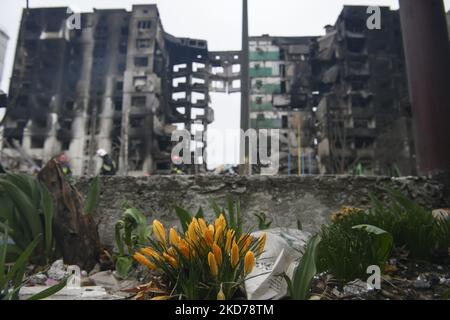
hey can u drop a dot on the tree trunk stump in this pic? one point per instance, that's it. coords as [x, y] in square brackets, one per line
[76, 234]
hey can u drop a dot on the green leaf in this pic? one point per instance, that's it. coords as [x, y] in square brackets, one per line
[93, 196]
[22, 261]
[123, 266]
[216, 209]
[3, 249]
[230, 204]
[446, 295]
[384, 241]
[263, 223]
[24, 206]
[184, 216]
[238, 217]
[49, 291]
[289, 284]
[200, 214]
[306, 270]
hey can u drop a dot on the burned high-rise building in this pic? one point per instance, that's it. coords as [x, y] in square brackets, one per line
[3, 43]
[364, 114]
[121, 83]
[107, 83]
[281, 97]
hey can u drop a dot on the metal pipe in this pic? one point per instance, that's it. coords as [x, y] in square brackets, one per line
[427, 53]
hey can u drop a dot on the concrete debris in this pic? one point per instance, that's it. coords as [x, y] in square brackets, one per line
[57, 271]
[356, 287]
[38, 279]
[108, 280]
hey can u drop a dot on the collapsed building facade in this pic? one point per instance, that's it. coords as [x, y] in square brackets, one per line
[108, 84]
[281, 98]
[123, 84]
[364, 115]
[3, 43]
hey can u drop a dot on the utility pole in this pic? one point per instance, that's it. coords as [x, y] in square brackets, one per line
[427, 52]
[245, 87]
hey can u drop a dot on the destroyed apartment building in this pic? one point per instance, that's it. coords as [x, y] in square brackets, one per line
[120, 83]
[364, 115]
[281, 98]
[123, 84]
[3, 44]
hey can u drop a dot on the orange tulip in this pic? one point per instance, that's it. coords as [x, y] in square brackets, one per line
[171, 260]
[246, 243]
[213, 264]
[159, 231]
[228, 243]
[184, 248]
[219, 234]
[174, 238]
[261, 244]
[220, 294]
[249, 262]
[209, 237]
[217, 254]
[202, 224]
[150, 252]
[220, 221]
[234, 255]
[144, 261]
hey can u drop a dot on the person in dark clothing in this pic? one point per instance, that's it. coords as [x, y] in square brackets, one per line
[109, 167]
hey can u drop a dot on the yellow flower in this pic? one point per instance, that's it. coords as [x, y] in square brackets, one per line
[174, 238]
[220, 221]
[144, 261]
[159, 231]
[171, 260]
[150, 252]
[171, 251]
[195, 224]
[230, 236]
[220, 294]
[184, 248]
[219, 234]
[213, 264]
[209, 237]
[217, 254]
[211, 227]
[249, 262]
[245, 241]
[261, 244]
[202, 224]
[234, 255]
[192, 233]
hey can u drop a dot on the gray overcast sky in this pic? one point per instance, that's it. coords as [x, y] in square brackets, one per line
[217, 21]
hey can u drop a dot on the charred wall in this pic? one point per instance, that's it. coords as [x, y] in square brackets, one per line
[364, 115]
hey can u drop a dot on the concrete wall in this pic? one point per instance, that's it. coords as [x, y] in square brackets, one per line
[284, 199]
